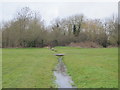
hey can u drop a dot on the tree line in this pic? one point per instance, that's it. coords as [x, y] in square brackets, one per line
[27, 29]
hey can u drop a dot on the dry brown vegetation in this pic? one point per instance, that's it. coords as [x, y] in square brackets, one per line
[86, 44]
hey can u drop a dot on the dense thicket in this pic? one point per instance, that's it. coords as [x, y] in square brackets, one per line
[28, 30]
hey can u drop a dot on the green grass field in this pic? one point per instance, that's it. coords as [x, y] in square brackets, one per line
[32, 67]
[0, 68]
[28, 68]
[92, 68]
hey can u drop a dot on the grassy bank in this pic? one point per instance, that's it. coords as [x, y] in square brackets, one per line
[92, 68]
[28, 68]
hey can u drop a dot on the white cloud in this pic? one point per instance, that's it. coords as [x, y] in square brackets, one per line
[50, 13]
[51, 10]
[59, 0]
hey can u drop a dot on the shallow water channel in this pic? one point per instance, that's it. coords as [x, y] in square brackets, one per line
[62, 78]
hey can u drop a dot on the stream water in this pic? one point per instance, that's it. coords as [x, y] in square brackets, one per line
[62, 78]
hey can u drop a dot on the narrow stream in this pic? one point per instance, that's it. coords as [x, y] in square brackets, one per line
[62, 78]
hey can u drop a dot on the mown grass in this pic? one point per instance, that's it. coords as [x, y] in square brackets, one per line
[28, 68]
[32, 67]
[0, 68]
[92, 68]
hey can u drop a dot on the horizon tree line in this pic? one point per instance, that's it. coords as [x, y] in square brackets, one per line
[27, 29]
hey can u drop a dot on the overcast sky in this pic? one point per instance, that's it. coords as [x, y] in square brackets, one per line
[52, 10]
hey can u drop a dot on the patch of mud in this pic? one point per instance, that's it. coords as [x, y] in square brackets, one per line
[62, 79]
